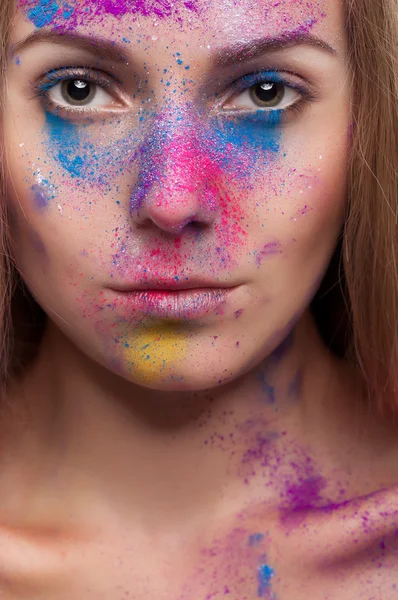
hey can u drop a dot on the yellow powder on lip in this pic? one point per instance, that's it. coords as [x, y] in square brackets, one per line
[157, 351]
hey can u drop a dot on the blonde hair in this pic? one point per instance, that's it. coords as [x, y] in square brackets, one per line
[368, 253]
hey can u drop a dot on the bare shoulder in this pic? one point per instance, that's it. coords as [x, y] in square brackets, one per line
[35, 562]
[341, 551]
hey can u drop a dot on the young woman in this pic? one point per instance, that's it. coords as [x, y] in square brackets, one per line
[199, 300]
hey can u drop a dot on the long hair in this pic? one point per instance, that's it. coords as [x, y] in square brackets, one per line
[367, 256]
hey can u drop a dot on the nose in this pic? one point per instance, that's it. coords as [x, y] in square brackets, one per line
[176, 187]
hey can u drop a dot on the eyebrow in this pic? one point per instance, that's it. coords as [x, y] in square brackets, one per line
[238, 53]
[247, 51]
[95, 45]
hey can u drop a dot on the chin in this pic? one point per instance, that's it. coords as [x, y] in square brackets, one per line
[179, 381]
[189, 376]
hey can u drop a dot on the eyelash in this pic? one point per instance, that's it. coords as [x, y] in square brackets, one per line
[97, 77]
[52, 78]
[307, 94]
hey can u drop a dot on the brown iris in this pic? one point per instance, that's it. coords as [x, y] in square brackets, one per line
[78, 91]
[267, 93]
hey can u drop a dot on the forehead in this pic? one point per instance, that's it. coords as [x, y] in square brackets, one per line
[218, 20]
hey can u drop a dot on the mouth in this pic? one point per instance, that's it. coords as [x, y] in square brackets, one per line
[175, 301]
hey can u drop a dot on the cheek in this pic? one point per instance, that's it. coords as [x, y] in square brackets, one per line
[91, 158]
[301, 199]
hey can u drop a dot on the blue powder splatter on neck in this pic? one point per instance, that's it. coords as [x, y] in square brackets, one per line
[267, 389]
[265, 574]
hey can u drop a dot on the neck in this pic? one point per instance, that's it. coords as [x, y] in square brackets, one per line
[104, 442]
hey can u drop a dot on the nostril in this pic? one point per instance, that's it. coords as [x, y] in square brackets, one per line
[198, 226]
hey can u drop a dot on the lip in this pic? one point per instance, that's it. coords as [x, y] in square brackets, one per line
[171, 284]
[175, 302]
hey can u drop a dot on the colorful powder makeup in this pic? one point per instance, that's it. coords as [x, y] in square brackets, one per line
[41, 13]
[255, 539]
[68, 14]
[41, 195]
[85, 156]
[269, 249]
[155, 353]
[265, 574]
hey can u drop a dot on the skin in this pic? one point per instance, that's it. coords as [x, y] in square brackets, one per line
[227, 448]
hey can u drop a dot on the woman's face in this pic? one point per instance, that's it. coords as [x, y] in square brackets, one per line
[177, 175]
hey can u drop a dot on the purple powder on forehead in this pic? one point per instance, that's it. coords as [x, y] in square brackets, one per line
[160, 8]
[64, 14]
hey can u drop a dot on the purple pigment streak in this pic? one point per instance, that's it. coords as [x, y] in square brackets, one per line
[306, 494]
[271, 362]
[296, 385]
[270, 249]
[63, 14]
[255, 539]
[40, 198]
[37, 243]
[267, 389]
[258, 454]
[282, 350]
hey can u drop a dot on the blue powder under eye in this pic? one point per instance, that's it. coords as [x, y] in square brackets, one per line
[257, 130]
[65, 142]
[265, 574]
[70, 146]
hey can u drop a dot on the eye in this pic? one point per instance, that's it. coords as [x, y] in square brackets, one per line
[79, 93]
[269, 95]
